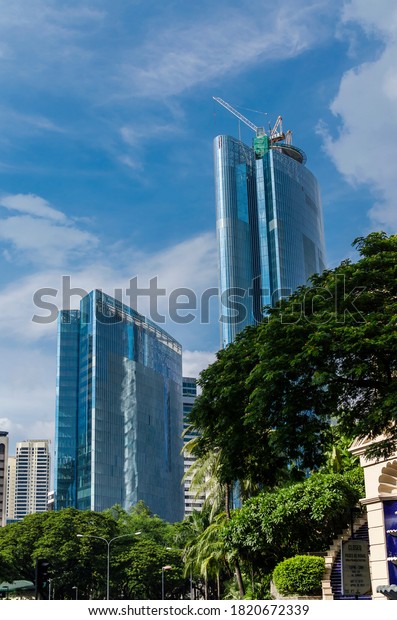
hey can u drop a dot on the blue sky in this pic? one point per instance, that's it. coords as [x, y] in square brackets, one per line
[106, 171]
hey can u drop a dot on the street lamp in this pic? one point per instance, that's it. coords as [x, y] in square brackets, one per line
[163, 569]
[77, 591]
[108, 542]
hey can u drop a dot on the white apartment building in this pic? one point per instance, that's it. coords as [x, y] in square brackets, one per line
[28, 478]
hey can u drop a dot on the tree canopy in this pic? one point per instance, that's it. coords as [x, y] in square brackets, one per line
[300, 518]
[136, 560]
[325, 355]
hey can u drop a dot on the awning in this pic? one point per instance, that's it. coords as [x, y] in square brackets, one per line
[16, 585]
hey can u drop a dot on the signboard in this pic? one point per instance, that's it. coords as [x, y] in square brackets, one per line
[356, 579]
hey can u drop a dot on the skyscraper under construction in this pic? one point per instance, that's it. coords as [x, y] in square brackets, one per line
[269, 223]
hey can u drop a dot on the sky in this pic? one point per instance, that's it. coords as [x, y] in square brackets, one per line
[107, 120]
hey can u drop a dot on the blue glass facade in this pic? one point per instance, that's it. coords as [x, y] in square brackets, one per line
[119, 411]
[269, 229]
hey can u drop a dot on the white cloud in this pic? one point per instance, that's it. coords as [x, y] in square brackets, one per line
[372, 16]
[33, 205]
[366, 106]
[95, 56]
[189, 52]
[41, 234]
[196, 361]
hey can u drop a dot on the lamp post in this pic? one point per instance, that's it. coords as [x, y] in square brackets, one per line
[108, 542]
[77, 591]
[163, 569]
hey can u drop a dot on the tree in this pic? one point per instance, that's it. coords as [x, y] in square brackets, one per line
[329, 352]
[292, 520]
[135, 561]
[139, 518]
[205, 555]
[138, 571]
[218, 417]
[325, 355]
[53, 535]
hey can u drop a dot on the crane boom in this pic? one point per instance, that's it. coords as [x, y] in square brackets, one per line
[240, 116]
[263, 140]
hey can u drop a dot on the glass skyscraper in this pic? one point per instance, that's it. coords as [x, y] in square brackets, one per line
[118, 411]
[269, 227]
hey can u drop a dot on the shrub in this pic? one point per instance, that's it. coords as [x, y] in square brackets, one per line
[299, 575]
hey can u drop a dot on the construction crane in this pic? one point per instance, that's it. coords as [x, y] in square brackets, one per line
[275, 135]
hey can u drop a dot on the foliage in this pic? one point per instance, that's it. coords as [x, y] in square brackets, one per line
[325, 355]
[138, 572]
[300, 518]
[301, 575]
[141, 519]
[338, 458]
[202, 475]
[135, 560]
[329, 351]
[218, 417]
[53, 536]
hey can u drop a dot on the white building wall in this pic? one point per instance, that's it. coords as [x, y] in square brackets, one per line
[32, 479]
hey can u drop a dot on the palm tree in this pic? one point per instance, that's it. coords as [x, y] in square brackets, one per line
[205, 479]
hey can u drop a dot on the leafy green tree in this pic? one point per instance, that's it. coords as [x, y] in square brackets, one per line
[303, 517]
[135, 561]
[53, 536]
[338, 458]
[329, 351]
[325, 355]
[138, 571]
[141, 519]
[219, 417]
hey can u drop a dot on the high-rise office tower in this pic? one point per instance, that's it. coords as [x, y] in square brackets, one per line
[28, 478]
[269, 223]
[118, 435]
[192, 500]
[3, 475]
